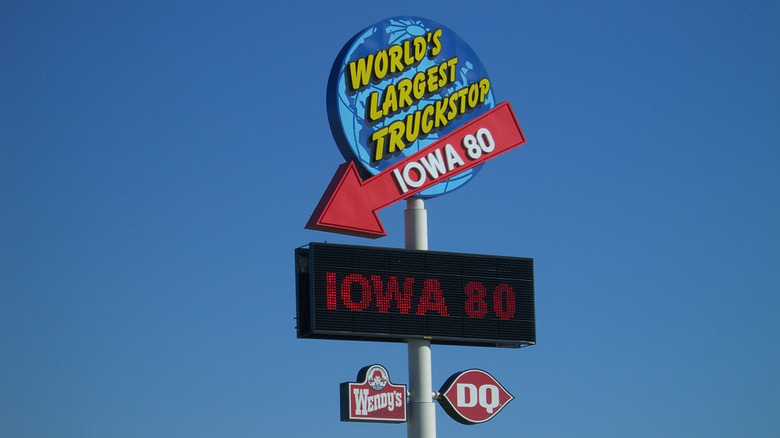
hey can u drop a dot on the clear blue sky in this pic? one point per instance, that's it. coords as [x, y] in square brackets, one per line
[159, 160]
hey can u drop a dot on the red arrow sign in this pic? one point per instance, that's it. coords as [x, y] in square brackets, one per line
[350, 205]
[473, 396]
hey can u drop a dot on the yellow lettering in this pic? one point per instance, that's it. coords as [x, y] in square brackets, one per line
[396, 132]
[408, 56]
[380, 64]
[426, 124]
[360, 72]
[389, 101]
[473, 95]
[417, 124]
[484, 87]
[440, 119]
[419, 48]
[433, 82]
[419, 85]
[378, 138]
[442, 75]
[462, 93]
[412, 126]
[404, 93]
[436, 40]
[453, 107]
[451, 64]
[371, 109]
[396, 53]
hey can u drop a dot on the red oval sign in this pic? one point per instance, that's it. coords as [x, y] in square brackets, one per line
[473, 396]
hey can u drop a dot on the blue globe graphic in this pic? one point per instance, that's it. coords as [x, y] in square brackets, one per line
[347, 111]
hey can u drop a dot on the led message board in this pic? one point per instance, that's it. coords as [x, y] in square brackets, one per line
[385, 294]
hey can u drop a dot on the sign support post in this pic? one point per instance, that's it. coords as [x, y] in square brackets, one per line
[422, 409]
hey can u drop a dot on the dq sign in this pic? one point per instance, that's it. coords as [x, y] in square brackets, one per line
[412, 111]
[473, 396]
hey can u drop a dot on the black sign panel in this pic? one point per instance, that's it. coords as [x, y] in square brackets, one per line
[383, 294]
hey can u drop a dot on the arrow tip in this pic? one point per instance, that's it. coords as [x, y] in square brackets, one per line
[344, 207]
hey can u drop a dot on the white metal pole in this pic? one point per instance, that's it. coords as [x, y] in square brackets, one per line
[422, 410]
[416, 224]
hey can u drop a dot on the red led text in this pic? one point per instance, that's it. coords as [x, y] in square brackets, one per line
[407, 296]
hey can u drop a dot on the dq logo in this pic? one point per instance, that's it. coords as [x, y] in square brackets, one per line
[473, 396]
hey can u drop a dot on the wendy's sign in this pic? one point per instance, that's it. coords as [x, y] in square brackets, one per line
[411, 109]
[373, 398]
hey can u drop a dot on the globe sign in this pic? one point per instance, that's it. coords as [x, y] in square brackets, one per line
[398, 86]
